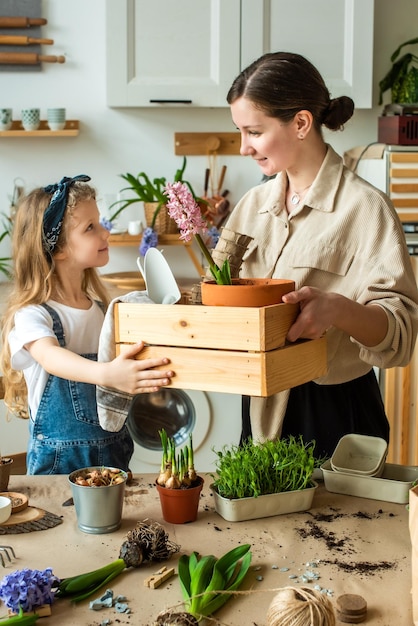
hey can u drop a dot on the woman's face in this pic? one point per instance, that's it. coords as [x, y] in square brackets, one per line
[269, 141]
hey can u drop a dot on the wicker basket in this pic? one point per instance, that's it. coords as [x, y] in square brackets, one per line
[164, 224]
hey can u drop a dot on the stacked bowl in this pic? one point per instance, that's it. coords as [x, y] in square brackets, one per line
[361, 455]
[358, 468]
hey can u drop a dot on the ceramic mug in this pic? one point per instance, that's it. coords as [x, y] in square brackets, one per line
[31, 118]
[56, 118]
[6, 116]
[135, 227]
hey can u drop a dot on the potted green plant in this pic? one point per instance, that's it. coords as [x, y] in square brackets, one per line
[264, 479]
[224, 290]
[402, 78]
[178, 485]
[151, 193]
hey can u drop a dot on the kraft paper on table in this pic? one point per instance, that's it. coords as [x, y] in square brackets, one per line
[413, 531]
[334, 539]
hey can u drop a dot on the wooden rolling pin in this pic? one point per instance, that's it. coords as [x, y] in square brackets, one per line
[21, 22]
[21, 40]
[28, 58]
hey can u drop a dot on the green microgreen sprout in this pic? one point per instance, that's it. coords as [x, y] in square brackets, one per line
[252, 470]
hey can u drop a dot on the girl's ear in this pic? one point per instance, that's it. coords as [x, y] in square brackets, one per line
[304, 122]
[61, 255]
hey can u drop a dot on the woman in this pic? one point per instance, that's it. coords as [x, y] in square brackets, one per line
[337, 237]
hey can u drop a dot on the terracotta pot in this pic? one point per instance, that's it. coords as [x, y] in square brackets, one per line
[180, 506]
[5, 467]
[246, 292]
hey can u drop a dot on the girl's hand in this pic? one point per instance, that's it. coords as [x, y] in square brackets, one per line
[137, 376]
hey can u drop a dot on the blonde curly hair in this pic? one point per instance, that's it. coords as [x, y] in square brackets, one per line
[34, 279]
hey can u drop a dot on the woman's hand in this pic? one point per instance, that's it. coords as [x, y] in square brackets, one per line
[315, 315]
[319, 310]
[137, 376]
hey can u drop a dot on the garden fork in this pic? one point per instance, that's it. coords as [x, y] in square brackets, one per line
[5, 550]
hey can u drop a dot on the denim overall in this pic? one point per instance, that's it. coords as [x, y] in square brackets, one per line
[66, 434]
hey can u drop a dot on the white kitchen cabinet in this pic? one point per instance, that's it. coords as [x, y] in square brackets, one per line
[171, 52]
[335, 35]
[187, 52]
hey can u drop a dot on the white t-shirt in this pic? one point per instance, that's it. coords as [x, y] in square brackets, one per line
[82, 331]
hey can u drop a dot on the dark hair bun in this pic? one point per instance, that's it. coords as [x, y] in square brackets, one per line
[339, 111]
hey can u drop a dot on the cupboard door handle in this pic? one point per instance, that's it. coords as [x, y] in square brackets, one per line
[171, 101]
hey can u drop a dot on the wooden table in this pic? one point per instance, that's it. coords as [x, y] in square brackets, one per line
[354, 545]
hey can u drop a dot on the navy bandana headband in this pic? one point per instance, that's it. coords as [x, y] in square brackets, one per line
[54, 214]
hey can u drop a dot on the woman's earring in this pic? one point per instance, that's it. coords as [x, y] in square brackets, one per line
[301, 137]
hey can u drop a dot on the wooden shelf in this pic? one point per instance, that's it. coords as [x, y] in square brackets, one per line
[71, 129]
[207, 143]
[125, 239]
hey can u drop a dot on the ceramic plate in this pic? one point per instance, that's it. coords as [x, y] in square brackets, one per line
[161, 285]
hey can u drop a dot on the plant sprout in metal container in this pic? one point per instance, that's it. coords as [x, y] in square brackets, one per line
[183, 208]
[257, 469]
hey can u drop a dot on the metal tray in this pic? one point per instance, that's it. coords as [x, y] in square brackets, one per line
[392, 486]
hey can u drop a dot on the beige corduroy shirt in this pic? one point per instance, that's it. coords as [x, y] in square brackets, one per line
[345, 238]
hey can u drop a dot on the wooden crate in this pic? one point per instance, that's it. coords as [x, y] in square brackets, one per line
[224, 349]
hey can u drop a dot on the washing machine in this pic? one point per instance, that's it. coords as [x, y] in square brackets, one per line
[214, 419]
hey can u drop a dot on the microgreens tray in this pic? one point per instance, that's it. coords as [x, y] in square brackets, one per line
[269, 505]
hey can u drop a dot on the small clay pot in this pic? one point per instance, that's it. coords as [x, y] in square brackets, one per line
[180, 506]
[246, 292]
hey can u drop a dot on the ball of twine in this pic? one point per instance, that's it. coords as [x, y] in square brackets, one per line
[301, 606]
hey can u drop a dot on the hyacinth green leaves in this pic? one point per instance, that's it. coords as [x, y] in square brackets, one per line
[207, 582]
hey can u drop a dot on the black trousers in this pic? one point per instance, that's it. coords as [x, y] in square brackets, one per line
[325, 413]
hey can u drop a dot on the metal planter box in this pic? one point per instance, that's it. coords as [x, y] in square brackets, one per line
[269, 505]
[392, 486]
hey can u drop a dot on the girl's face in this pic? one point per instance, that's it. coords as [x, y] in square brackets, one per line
[269, 141]
[86, 244]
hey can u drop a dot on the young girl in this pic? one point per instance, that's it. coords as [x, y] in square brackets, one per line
[51, 331]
